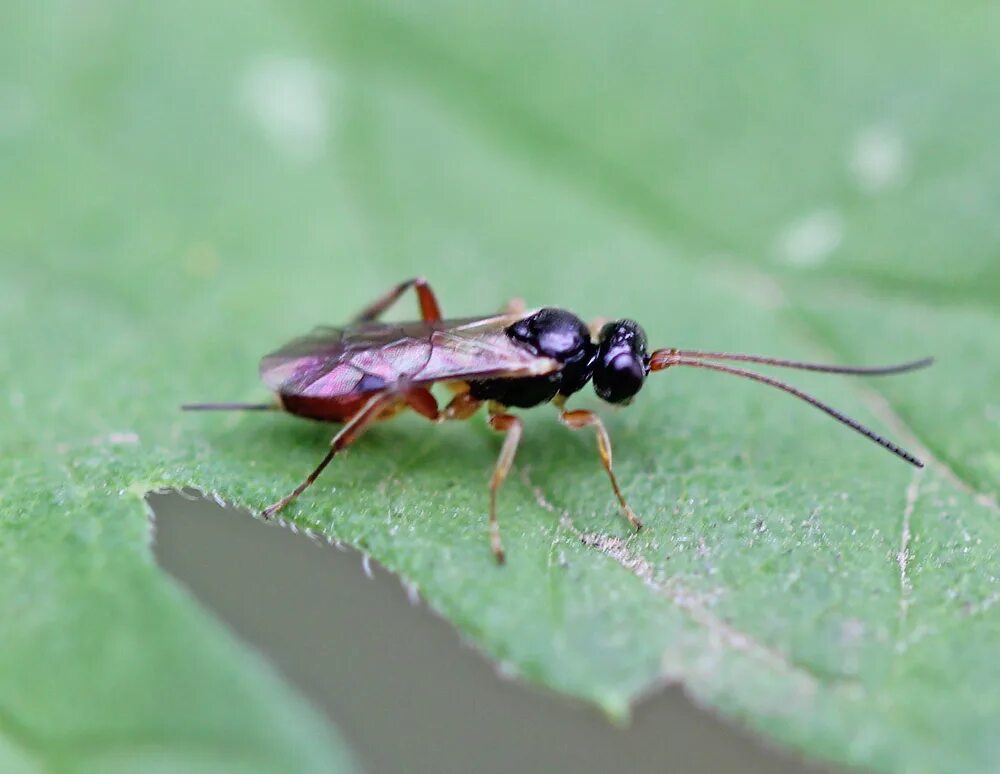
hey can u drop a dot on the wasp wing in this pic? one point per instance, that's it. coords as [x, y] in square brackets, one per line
[333, 362]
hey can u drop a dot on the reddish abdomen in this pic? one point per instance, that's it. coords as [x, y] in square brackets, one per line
[324, 409]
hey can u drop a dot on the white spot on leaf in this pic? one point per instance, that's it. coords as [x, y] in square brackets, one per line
[126, 438]
[122, 438]
[287, 98]
[878, 159]
[811, 240]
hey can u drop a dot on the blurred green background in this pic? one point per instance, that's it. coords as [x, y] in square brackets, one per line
[183, 186]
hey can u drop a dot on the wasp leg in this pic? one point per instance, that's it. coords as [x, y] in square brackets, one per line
[422, 401]
[575, 420]
[429, 309]
[462, 406]
[349, 433]
[511, 427]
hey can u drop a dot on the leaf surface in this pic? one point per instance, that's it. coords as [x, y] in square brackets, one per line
[188, 187]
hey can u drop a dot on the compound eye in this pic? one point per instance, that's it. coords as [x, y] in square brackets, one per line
[621, 361]
[626, 374]
[619, 378]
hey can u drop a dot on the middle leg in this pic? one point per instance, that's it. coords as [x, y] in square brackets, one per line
[511, 427]
[464, 406]
[423, 402]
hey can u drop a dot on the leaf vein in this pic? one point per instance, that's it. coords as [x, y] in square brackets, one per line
[686, 600]
[903, 555]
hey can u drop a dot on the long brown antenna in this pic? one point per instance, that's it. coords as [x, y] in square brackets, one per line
[899, 368]
[662, 359]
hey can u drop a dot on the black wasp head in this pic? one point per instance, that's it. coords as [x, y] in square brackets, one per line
[622, 361]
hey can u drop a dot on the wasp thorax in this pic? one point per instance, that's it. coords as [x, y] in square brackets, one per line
[554, 333]
[622, 361]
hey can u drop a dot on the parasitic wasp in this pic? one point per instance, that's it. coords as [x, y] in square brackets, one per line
[370, 370]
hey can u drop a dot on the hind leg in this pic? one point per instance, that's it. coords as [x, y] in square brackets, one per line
[349, 433]
[430, 311]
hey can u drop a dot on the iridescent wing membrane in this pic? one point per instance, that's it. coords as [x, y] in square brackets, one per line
[368, 357]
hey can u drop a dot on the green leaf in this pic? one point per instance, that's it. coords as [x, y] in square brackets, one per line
[106, 665]
[186, 187]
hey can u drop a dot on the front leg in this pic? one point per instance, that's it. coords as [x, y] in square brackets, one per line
[429, 309]
[574, 420]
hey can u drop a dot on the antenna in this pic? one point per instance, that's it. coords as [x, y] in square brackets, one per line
[665, 358]
[900, 368]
